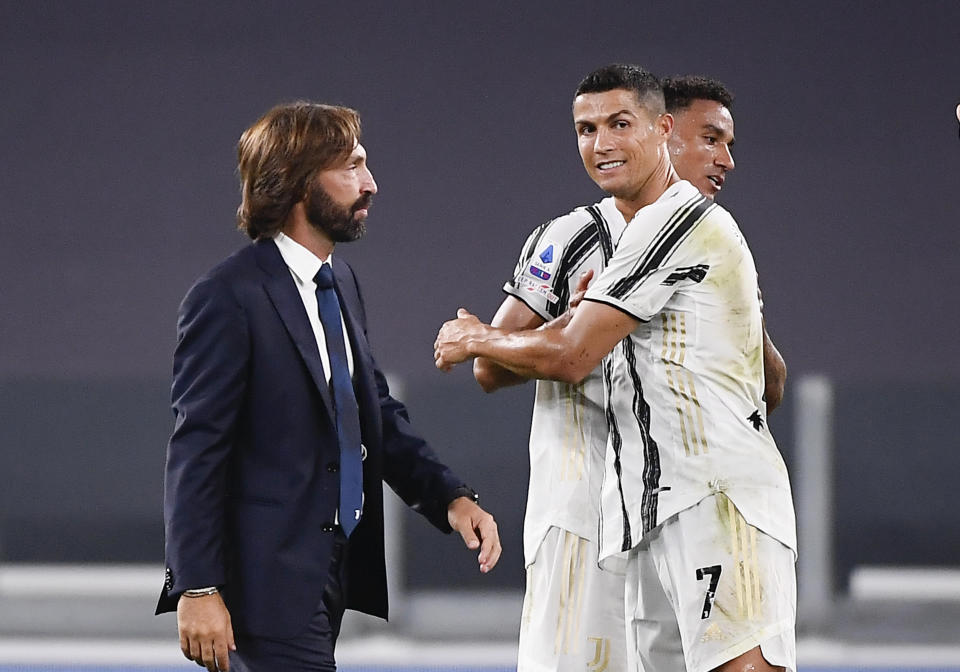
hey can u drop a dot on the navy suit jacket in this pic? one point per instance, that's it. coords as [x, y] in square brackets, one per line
[252, 484]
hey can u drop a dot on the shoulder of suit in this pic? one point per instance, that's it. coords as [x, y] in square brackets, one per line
[238, 268]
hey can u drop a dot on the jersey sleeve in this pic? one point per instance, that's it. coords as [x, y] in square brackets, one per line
[655, 260]
[537, 279]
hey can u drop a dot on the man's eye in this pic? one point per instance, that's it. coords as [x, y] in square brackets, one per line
[710, 140]
[586, 130]
[621, 124]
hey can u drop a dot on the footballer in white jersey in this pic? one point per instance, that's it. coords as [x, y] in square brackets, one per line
[568, 433]
[573, 614]
[695, 489]
[679, 303]
[685, 388]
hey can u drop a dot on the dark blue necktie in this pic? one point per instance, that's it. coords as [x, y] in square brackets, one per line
[344, 401]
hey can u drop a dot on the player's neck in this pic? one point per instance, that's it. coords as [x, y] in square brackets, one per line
[661, 179]
[301, 230]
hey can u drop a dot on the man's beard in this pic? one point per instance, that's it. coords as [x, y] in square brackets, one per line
[340, 224]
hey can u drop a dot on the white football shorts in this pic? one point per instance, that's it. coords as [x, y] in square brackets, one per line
[706, 587]
[573, 615]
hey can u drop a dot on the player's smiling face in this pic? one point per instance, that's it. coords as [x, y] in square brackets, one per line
[619, 140]
[701, 145]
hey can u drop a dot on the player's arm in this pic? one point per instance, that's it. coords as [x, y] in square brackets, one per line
[774, 368]
[774, 372]
[515, 315]
[512, 315]
[566, 349]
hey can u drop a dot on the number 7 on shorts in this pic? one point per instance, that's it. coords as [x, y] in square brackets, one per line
[714, 573]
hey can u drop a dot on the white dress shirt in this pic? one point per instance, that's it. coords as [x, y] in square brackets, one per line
[304, 265]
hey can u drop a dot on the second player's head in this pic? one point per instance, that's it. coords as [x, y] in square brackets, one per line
[702, 139]
[619, 116]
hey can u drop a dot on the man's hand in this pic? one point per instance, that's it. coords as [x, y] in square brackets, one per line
[478, 529]
[206, 633]
[582, 285]
[451, 345]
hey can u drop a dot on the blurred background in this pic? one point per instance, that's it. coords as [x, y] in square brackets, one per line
[118, 126]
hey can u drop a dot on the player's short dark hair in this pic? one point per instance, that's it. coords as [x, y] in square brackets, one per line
[679, 92]
[279, 155]
[629, 77]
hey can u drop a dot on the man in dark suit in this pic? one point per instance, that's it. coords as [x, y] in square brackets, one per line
[285, 427]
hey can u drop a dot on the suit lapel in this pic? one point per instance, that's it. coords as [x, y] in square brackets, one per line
[286, 299]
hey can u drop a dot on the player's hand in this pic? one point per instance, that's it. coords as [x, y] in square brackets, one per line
[206, 633]
[582, 285]
[478, 529]
[451, 345]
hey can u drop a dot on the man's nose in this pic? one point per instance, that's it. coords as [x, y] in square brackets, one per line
[368, 185]
[725, 158]
[603, 140]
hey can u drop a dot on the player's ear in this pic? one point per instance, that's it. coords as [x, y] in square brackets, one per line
[664, 125]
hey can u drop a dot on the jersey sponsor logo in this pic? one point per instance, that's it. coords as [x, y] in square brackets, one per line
[547, 255]
[539, 272]
[538, 288]
[713, 633]
[755, 420]
[693, 273]
[542, 266]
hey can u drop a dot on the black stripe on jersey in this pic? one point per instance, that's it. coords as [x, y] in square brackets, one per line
[661, 234]
[651, 452]
[581, 245]
[603, 230]
[616, 442]
[668, 238]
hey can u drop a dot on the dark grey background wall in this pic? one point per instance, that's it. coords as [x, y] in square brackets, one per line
[119, 121]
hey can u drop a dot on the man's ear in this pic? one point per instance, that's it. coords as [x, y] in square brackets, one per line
[664, 125]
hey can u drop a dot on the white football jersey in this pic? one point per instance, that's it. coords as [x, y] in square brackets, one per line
[684, 390]
[568, 432]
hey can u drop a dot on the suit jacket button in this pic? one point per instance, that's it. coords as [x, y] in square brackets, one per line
[327, 527]
[333, 467]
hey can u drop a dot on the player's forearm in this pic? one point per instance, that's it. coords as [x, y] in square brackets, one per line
[542, 354]
[774, 373]
[492, 377]
[513, 315]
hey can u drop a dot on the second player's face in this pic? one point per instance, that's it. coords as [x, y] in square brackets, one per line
[701, 145]
[619, 140]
